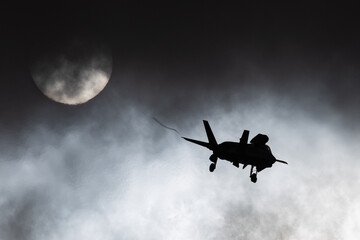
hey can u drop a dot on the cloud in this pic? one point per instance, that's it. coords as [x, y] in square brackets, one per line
[75, 75]
[129, 178]
[106, 170]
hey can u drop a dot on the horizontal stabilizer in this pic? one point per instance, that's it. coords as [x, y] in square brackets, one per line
[281, 161]
[204, 144]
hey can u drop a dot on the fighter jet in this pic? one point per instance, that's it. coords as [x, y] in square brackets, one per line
[256, 153]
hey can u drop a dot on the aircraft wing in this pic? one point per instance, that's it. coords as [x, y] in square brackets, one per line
[212, 141]
[281, 161]
[204, 144]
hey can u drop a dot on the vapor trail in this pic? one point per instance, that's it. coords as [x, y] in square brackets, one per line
[163, 125]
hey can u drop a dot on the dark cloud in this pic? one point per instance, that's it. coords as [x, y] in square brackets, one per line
[106, 170]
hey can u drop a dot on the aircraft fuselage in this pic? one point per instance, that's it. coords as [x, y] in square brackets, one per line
[247, 154]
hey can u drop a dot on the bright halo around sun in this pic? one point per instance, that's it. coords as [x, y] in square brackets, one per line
[73, 72]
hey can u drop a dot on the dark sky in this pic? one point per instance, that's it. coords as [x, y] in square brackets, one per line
[105, 170]
[202, 47]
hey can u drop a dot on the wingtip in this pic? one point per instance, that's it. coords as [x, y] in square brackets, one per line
[281, 161]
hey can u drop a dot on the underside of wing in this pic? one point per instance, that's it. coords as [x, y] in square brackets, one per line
[204, 144]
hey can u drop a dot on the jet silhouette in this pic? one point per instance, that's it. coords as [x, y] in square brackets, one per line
[256, 153]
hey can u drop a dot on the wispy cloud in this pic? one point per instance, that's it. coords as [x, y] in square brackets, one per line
[134, 179]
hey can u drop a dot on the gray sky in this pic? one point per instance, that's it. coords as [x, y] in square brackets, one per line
[106, 170]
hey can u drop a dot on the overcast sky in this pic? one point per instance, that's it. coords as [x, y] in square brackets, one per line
[106, 170]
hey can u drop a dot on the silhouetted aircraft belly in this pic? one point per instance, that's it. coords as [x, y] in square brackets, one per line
[229, 151]
[257, 153]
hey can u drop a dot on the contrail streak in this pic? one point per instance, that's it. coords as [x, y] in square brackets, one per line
[173, 129]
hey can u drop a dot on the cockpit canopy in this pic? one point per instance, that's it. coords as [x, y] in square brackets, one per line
[260, 139]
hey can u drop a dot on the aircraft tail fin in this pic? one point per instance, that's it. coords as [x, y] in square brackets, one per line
[212, 141]
[244, 137]
[209, 133]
